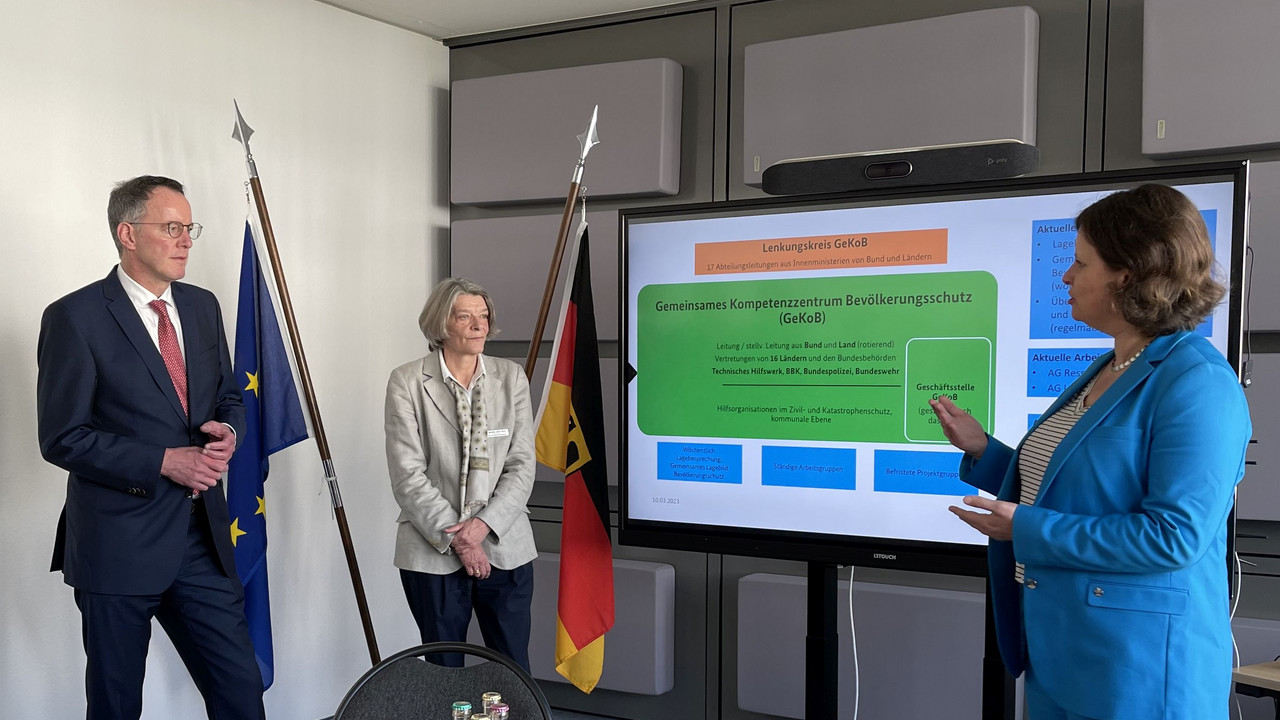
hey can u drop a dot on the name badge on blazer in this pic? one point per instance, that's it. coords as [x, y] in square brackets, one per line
[500, 432]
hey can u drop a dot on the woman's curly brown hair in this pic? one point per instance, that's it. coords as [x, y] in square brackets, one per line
[1156, 234]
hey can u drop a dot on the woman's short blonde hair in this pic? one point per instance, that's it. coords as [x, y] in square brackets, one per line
[434, 318]
[1158, 236]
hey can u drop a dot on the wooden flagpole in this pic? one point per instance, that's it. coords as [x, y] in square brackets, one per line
[587, 140]
[242, 133]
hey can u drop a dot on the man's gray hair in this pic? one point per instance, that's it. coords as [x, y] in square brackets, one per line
[128, 201]
[434, 319]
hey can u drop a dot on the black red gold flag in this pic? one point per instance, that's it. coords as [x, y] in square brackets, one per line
[570, 439]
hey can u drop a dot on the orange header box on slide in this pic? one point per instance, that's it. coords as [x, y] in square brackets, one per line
[822, 252]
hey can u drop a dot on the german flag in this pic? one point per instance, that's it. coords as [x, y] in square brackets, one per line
[571, 439]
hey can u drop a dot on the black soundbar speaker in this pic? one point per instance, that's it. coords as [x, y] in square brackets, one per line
[901, 168]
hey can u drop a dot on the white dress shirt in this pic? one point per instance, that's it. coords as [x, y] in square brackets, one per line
[140, 297]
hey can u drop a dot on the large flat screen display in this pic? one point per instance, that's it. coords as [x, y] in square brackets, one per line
[780, 356]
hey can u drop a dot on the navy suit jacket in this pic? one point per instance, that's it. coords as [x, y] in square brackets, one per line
[1124, 613]
[107, 412]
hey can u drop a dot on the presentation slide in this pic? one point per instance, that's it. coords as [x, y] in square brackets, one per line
[784, 360]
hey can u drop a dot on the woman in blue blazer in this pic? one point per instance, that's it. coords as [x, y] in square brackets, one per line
[1107, 536]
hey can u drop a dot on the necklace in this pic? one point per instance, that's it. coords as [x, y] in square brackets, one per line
[1120, 367]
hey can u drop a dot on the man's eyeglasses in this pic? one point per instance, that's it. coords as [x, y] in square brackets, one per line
[174, 228]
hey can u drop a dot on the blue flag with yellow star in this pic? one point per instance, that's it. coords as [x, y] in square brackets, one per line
[273, 422]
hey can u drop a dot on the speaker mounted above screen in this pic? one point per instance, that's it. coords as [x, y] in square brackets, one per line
[905, 167]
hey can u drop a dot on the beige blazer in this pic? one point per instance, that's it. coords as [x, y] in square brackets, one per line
[424, 452]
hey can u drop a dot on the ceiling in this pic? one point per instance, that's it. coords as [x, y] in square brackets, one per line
[442, 19]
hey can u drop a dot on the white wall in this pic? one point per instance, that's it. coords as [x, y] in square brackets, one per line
[351, 121]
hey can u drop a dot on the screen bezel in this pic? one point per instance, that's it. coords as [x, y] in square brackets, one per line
[867, 551]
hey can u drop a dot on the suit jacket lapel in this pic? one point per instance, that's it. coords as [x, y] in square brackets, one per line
[192, 338]
[495, 412]
[437, 392]
[1061, 400]
[126, 316]
[1141, 368]
[190, 327]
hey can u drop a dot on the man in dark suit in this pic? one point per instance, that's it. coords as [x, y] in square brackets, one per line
[137, 401]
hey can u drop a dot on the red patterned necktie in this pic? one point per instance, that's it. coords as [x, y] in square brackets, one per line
[170, 352]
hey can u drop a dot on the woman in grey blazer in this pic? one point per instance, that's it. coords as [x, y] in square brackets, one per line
[460, 453]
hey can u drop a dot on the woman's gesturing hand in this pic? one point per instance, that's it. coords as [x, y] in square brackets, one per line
[996, 523]
[961, 429]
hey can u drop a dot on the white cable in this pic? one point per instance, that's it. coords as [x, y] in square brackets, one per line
[1238, 571]
[1235, 654]
[853, 638]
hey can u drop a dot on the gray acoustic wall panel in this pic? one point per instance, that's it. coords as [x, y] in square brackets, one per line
[909, 638]
[1258, 497]
[513, 137]
[1264, 238]
[510, 257]
[1209, 79]
[962, 78]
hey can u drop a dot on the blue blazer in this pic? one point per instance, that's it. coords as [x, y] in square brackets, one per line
[107, 412]
[1124, 613]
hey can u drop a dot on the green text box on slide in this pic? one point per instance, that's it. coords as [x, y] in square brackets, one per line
[956, 367]
[810, 358]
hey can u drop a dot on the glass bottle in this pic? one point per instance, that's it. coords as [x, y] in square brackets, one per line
[499, 711]
[461, 710]
[488, 699]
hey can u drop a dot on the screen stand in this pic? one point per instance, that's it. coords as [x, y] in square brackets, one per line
[999, 689]
[821, 648]
[822, 660]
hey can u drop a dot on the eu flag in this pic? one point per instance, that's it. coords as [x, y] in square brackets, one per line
[273, 422]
